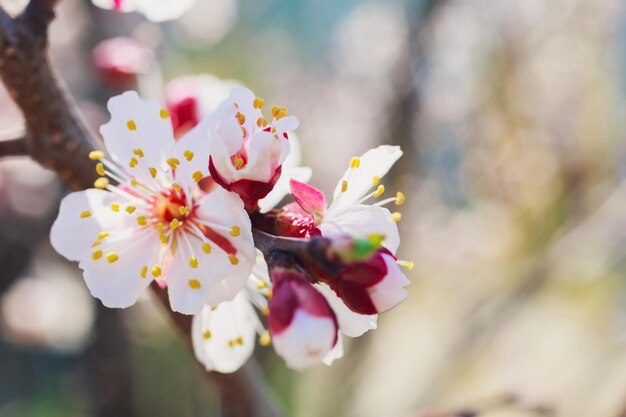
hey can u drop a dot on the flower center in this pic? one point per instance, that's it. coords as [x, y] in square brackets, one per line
[172, 205]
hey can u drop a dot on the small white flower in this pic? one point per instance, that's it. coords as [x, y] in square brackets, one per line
[156, 224]
[154, 10]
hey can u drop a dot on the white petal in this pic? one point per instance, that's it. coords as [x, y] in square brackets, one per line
[350, 323]
[162, 10]
[124, 5]
[225, 209]
[281, 188]
[119, 284]
[362, 221]
[335, 353]
[137, 124]
[306, 341]
[215, 335]
[189, 287]
[389, 292]
[198, 141]
[374, 163]
[71, 235]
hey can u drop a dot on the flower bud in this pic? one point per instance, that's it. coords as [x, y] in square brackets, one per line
[121, 60]
[303, 326]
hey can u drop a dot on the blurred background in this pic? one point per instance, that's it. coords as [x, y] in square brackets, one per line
[511, 116]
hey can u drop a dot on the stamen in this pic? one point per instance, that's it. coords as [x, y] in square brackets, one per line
[355, 162]
[399, 198]
[233, 259]
[144, 271]
[238, 162]
[173, 163]
[96, 243]
[265, 338]
[261, 284]
[188, 155]
[133, 162]
[153, 172]
[193, 262]
[258, 103]
[197, 176]
[194, 284]
[174, 224]
[206, 335]
[112, 257]
[279, 112]
[407, 264]
[131, 209]
[396, 216]
[344, 186]
[160, 227]
[375, 181]
[115, 207]
[96, 155]
[234, 231]
[131, 125]
[261, 122]
[102, 235]
[156, 271]
[100, 169]
[176, 187]
[85, 214]
[379, 191]
[164, 238]
[206, 248]
[241, 118]
[96, 255]
[164, 113]
[101, 183]
[138, 152]
[142, 220]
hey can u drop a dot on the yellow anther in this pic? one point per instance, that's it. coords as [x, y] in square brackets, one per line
[173, 162]
[133, 162]
[238, 162]
[375, 181]
[96, 243]
[142, 220]
[344, 186]
[100, 169]
[270, 293]
[164, 113]
[160, 227]
[183, 210]
[197, 176]
[234, 231]
[231, 343]
[261, 284]
[207, 334]
[214, 308]
[239, 340]
[379, 191]
[164, 238]
[96, 255]
[188, 155]
[101, 183]
[153, 172]
[138, 152]
[102, 235]
[265, 338]
[261, 122]
[399, 198]
[193, 262]
[85, 214]
[236, 105]
[194, 284]
[131, 125]
[174, 224]
[407, 264]
[176, 187]
[258, 103]
[144, 271]
[156, 271]
[96, 155]
[115, 207]
[241, 118]
[206, 248]
[355, 162]
[265, 311]
[131, 209]
[112, 257]
[233, 259]
[279, 112]
[134, 182]
[396, 216]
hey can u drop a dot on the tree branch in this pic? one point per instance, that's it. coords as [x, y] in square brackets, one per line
[58, 139]
[13, 147]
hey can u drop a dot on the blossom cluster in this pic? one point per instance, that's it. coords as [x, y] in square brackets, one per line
[182, 196]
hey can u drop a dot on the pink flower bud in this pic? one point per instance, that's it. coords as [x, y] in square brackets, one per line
[373, 286]
[303, 326]
[121, 60]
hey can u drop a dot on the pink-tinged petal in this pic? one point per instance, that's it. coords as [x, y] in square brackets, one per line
[335, 353]
[117, 5]
[119, 281]
[350, 323]
[121, 60]
[310, 199]
[281, 188]
[389, 292]
[224, 338]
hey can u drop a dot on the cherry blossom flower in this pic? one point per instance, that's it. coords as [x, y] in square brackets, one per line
[155, 224]
[154, 10]
[375, 285]
[248, 150]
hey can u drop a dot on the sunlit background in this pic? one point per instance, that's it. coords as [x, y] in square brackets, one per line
[511, 116]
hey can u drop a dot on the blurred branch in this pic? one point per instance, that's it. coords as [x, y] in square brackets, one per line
[58, 139]
[13, 147]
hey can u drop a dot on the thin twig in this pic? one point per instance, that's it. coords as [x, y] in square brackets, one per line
[13, 147]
